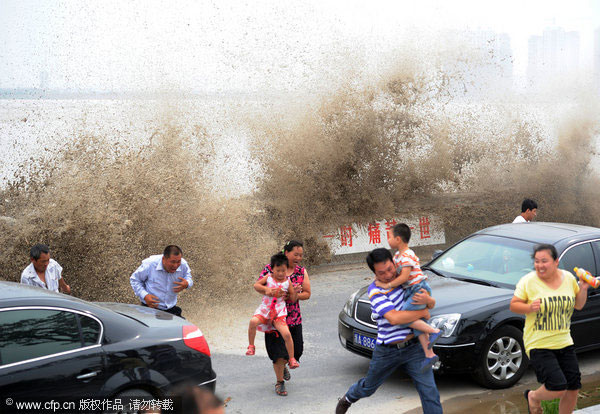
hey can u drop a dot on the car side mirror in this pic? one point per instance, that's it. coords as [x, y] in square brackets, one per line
[437, 253]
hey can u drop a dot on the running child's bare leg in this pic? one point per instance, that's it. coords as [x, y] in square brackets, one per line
[424, 338]
[424, 341]
[284, 330]
[254, 322]
[423, 326]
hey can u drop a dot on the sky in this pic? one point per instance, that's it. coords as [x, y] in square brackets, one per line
[254, 46]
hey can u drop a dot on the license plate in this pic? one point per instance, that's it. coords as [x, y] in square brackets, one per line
[364, 341]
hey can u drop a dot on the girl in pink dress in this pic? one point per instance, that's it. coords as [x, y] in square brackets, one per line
[272, 312]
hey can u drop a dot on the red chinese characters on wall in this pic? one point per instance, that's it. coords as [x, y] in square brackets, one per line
[389, 224]
[424, 227]
[346, 236]
[374, 233]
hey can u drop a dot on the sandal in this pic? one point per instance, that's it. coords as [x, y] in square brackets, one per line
[433, 338]
[293, 364]
[428, 363]
[286, 373]
[251, 350]
[280, 389]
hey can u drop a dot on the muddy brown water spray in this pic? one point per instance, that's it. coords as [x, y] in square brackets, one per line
[390, 148]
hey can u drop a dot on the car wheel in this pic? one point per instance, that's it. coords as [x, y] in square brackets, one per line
[502, 360]
[126, 397]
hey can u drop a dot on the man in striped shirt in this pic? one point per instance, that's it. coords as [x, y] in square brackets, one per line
[396, 347]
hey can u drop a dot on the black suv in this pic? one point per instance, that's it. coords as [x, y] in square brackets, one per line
[473, 283]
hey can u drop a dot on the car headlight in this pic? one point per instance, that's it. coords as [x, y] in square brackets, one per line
[446, 323]
[349, 305]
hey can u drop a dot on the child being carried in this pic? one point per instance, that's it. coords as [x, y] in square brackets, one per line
[272, 312]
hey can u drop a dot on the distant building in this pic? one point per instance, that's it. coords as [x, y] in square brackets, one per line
[552, 56]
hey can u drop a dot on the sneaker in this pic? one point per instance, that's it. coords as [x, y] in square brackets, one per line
[286, 374]
[433, 338]
[429, 362]
[342, 405]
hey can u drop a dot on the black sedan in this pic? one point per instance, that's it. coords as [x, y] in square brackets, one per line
[53, 345]
[473, 283]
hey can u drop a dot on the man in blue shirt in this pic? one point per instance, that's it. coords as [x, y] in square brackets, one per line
[160, 278]
[396, 347]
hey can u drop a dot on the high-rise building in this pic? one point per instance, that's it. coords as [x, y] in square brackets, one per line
[553, 55]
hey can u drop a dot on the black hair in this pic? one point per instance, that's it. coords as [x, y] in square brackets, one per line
[528, 204]
[196, 400]
[172, 250]
[279, 259]
[289, 246]
[549, 247]
[380, 255]
[37, 250]
[403, 231]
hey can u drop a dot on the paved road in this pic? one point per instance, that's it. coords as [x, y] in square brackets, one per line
[326, 369]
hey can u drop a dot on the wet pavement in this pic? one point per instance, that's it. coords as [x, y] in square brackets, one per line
[511, 401]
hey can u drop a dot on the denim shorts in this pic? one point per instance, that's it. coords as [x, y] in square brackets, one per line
[557, 369]
[410, 291]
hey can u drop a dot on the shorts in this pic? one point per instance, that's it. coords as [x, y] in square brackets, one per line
[557, 369]
[410, 291]
[276, 346]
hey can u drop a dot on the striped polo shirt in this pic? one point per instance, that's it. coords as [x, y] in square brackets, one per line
[383, 301]
[408, 258]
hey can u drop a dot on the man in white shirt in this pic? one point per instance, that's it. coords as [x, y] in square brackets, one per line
[528, 211]
[43, 271]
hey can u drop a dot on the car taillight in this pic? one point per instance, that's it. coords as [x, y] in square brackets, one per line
[193, 338]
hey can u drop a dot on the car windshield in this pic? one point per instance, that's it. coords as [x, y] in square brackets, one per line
[498, 260]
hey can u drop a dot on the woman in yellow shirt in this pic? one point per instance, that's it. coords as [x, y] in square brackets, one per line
[548, 297]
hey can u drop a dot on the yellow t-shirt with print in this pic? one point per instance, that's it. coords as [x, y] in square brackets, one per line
[550, 326]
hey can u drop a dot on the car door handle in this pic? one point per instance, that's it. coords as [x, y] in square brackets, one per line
[88, 375]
